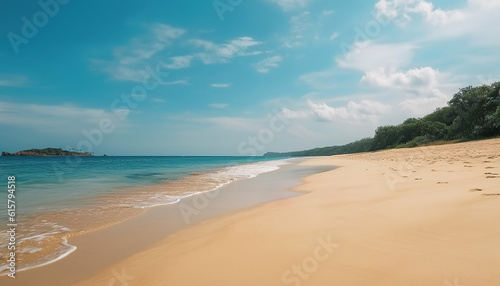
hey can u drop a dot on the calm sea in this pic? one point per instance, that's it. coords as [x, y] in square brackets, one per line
[60, 196]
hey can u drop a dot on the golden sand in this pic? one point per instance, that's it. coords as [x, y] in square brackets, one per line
[422, 216]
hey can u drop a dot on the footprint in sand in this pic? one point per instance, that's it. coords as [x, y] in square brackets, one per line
[490, 195]
[476, 190]
[442, 183]
[490, 167]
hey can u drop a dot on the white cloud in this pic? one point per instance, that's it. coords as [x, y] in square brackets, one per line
[179, 62]
[401, 11]
[354, 112]
[159, 100]
[420, 88]
[177, 82]
[334, 36]
[487, 79]
[219, 105]
[292, 114]
[288, 5]
[130, 60]
[421, 106]
[165, 33]
[487, 4]
[327, 12]
[54, 118]
[425, 77]
[472, 21]
[475, 27]
[220, 85]
[298, 26]
[265, 65]
[223, 53]
[368, 56]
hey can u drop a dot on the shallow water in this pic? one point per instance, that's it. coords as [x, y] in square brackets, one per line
[56, 199]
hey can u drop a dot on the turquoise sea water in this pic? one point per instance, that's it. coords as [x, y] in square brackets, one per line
[49, 183]
[57, 197]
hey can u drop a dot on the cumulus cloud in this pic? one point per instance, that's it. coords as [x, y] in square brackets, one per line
[267, 64]
[365, 110]
[420, 88]
[401, 11]
[292, 114]
[425, 77]
[472, 21]
[368, 55]
[421, 106]
[353, 112]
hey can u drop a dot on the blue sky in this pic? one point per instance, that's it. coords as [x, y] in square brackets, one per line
[232, 77]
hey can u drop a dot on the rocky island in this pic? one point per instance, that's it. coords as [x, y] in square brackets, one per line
[48, 152]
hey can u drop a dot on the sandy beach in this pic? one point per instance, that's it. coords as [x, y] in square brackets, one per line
[423, 216]
[250, 143]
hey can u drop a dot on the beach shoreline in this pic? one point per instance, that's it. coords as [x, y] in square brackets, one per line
[421, 216]
[42, 239]
[159, 222]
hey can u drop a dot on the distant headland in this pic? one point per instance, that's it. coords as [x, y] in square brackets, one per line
[48, 152]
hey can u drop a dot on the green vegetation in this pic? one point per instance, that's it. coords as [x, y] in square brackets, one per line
[48, 152]
[473, 113]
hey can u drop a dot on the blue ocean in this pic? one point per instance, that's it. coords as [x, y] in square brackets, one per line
[57, 197]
